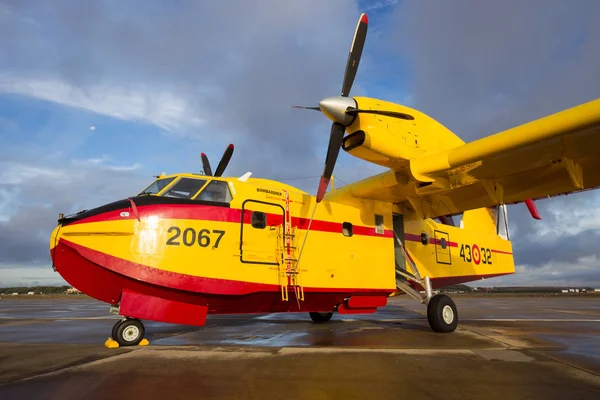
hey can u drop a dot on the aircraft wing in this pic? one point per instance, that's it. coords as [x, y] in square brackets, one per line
[557, 154]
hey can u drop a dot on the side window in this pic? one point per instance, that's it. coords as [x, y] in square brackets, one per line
[259, 220]
[347, 229]
[379, 227]
[185, 188]
[216, 191]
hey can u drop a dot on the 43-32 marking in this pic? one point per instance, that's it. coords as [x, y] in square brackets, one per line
[476, 255]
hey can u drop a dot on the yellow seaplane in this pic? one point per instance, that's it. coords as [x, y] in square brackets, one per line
[191, 244]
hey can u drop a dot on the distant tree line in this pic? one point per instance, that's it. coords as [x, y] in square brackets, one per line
[35, 289]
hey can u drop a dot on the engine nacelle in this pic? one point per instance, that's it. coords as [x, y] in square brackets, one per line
[380, 148]
[390, 141]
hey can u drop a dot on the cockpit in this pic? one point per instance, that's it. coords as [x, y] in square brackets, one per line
[186, 187]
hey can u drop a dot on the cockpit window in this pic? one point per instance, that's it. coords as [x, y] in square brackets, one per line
[185, 188]
[157, 186]
[216, 191]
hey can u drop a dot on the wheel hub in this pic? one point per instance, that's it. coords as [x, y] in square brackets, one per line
[131, 333]
[448, 314]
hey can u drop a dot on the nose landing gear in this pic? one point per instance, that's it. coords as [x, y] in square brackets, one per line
[129, 332]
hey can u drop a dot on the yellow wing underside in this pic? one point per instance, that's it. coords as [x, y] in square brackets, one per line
[557, 154]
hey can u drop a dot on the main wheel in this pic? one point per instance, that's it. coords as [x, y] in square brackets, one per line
[129, 332]
[442, 314]
[320, 316]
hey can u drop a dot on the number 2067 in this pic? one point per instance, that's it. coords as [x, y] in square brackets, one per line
[190, 237]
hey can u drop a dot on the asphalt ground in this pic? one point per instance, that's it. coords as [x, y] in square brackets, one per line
[505, 347]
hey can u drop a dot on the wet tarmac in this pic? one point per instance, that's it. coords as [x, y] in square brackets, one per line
[505, 347]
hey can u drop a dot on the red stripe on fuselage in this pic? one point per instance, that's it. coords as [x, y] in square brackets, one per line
[189, 283]
[501, 252]
[417, 238]
[225, 214]
[107, 285]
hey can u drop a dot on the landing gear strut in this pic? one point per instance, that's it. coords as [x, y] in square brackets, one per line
[320, 317]
[128, 332]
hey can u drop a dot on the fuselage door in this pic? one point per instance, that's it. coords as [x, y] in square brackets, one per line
[442, 247]
[260, 232]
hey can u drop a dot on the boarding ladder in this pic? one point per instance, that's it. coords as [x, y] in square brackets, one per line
[289, 274]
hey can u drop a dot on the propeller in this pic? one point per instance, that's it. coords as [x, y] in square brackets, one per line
[222, 164]
[331, 106]
[206, 165]
[308, 108]
[335, 143]
[342, 110]
[224, 160]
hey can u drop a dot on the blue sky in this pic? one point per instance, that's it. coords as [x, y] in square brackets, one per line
[95, 98]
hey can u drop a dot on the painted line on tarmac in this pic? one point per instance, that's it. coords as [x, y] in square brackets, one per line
[63, 318]
[280, 318]
[531, 319]
[312, 350]
[498, 320]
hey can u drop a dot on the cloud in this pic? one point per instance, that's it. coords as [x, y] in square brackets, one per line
[483, 67]
[581, 271]
[141, 104]
[229, 72]
[33, 196]
[213, 72]
[222, 72]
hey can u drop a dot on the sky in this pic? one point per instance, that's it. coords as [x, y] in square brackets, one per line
[97, 97]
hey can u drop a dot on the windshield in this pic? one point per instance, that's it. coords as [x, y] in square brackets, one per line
[185, 188]
[157, 186]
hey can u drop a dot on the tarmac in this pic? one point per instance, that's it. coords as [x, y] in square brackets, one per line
[505, 348]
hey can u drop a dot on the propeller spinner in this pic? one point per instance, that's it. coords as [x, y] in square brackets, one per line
[222, 164]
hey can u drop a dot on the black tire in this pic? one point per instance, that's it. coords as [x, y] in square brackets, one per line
[129, 332]
[442, 314]
[320, 317]
[114, 329]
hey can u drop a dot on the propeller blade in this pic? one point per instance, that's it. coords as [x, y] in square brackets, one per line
[533, 210]
[358, 42]
[224, 160]
[335, 142]
[308, 108]
[206, 165]
[392, 114]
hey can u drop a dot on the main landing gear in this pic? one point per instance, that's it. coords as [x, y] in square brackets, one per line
[441, 310]
[320, 317]
[442, 314]
[128, 332]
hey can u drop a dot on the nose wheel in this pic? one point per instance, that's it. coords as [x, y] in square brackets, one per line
[128, 332]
